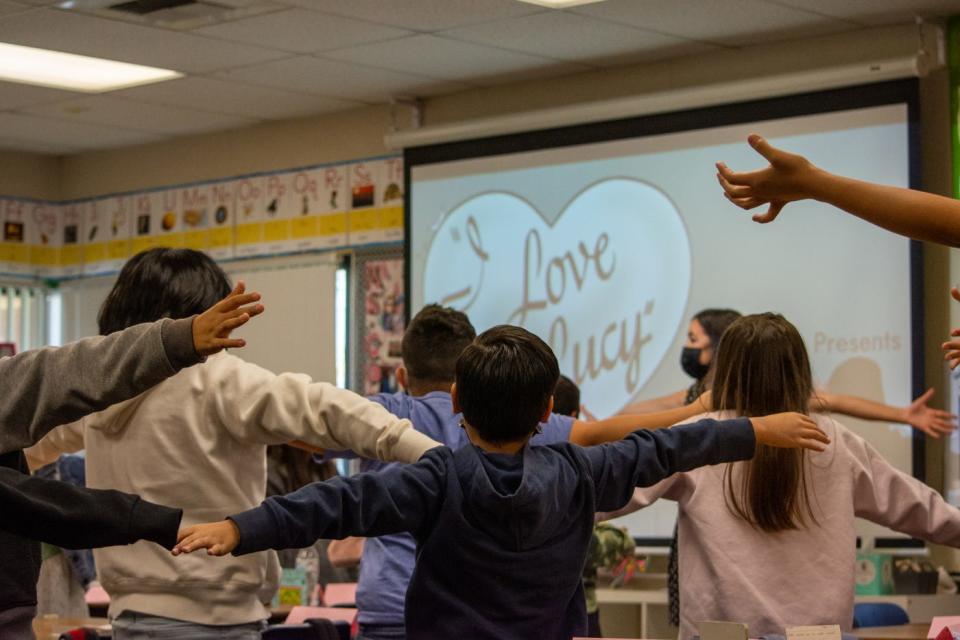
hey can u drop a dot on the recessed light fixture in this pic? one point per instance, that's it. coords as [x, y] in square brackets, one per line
[560, 4]
[73, 72]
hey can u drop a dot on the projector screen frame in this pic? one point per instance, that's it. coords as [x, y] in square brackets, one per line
[904, 91]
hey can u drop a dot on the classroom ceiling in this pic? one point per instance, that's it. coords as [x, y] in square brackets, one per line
[249, 61]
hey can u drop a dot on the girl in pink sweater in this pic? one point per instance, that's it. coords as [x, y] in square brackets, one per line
[771, 542]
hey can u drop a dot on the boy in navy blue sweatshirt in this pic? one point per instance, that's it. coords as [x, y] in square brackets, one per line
[502, 529]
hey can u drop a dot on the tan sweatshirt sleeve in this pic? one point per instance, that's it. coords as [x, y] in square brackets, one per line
[67, 438]
[891, 498]
[259, 406]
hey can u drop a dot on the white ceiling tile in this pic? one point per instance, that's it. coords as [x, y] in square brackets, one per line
[138, 116]
[73, 135]
[219, 96]
[442, 58]
[576, 38]
[14, 95]
[302, 31]
[876, 12]
[730, 22]
[338, 79]
[423, 15]
[87, 35]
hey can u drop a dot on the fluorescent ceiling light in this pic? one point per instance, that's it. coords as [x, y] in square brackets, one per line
[76, 73]
[560, 4]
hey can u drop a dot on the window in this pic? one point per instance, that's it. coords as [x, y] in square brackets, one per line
[23, 316]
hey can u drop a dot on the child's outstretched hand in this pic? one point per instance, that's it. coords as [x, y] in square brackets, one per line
[218, 538]
[787, 178]
[952, 347]
[211, 329]
[789, 430]
[933, 422]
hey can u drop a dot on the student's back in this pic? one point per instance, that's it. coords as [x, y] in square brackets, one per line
[198, 441]
[772, 542]
[388, 561]
[730, 570]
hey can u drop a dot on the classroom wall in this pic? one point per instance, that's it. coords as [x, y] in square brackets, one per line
[30, 175]
[348, 135]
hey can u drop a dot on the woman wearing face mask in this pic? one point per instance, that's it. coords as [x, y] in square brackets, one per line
[703, 336]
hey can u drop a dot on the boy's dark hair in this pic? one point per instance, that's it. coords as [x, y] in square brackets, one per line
[432, 343]
[505, 379]
[162, 283]
[566, 397]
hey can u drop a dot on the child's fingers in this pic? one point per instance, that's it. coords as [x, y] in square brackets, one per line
[731, 177]
[185, 532]
[955, 293]
[228, 325]
[234, 301]
[251, 310]
[744, 203]
[926, 396]
[816, 445]
[770, 215]
[229, 343]
[735, 191]
[816, 434]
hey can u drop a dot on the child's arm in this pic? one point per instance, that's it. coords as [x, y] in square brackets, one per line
[790, 177]
[618, 427]
[47, 387]
[933, 422]
[896, 500]
[66, 438]
[398, 499]
[78, 518]
[663, 403]
[647, 457]
[256, 405]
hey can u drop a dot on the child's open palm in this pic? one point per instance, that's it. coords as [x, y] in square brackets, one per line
[211, 329]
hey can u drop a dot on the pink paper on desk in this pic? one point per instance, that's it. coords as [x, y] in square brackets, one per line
[337, 593]
[299, 614]
[96, 596]
[941, 622]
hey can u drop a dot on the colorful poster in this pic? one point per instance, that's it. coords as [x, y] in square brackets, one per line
[318, 196]
[46, 218]
[107, 234]
[280, 207]
[195, 217]
[384, 324]
[376, 201]
[17, 237]
[221, 219]
[157, 220]
[72, 216]
[251, 215]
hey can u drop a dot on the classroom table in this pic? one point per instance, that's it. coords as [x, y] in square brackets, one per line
[912, 631]
[47, 627]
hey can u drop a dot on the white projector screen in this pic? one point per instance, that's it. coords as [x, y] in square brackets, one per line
[607, 249]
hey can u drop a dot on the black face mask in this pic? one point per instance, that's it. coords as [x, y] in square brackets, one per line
[690, 362]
